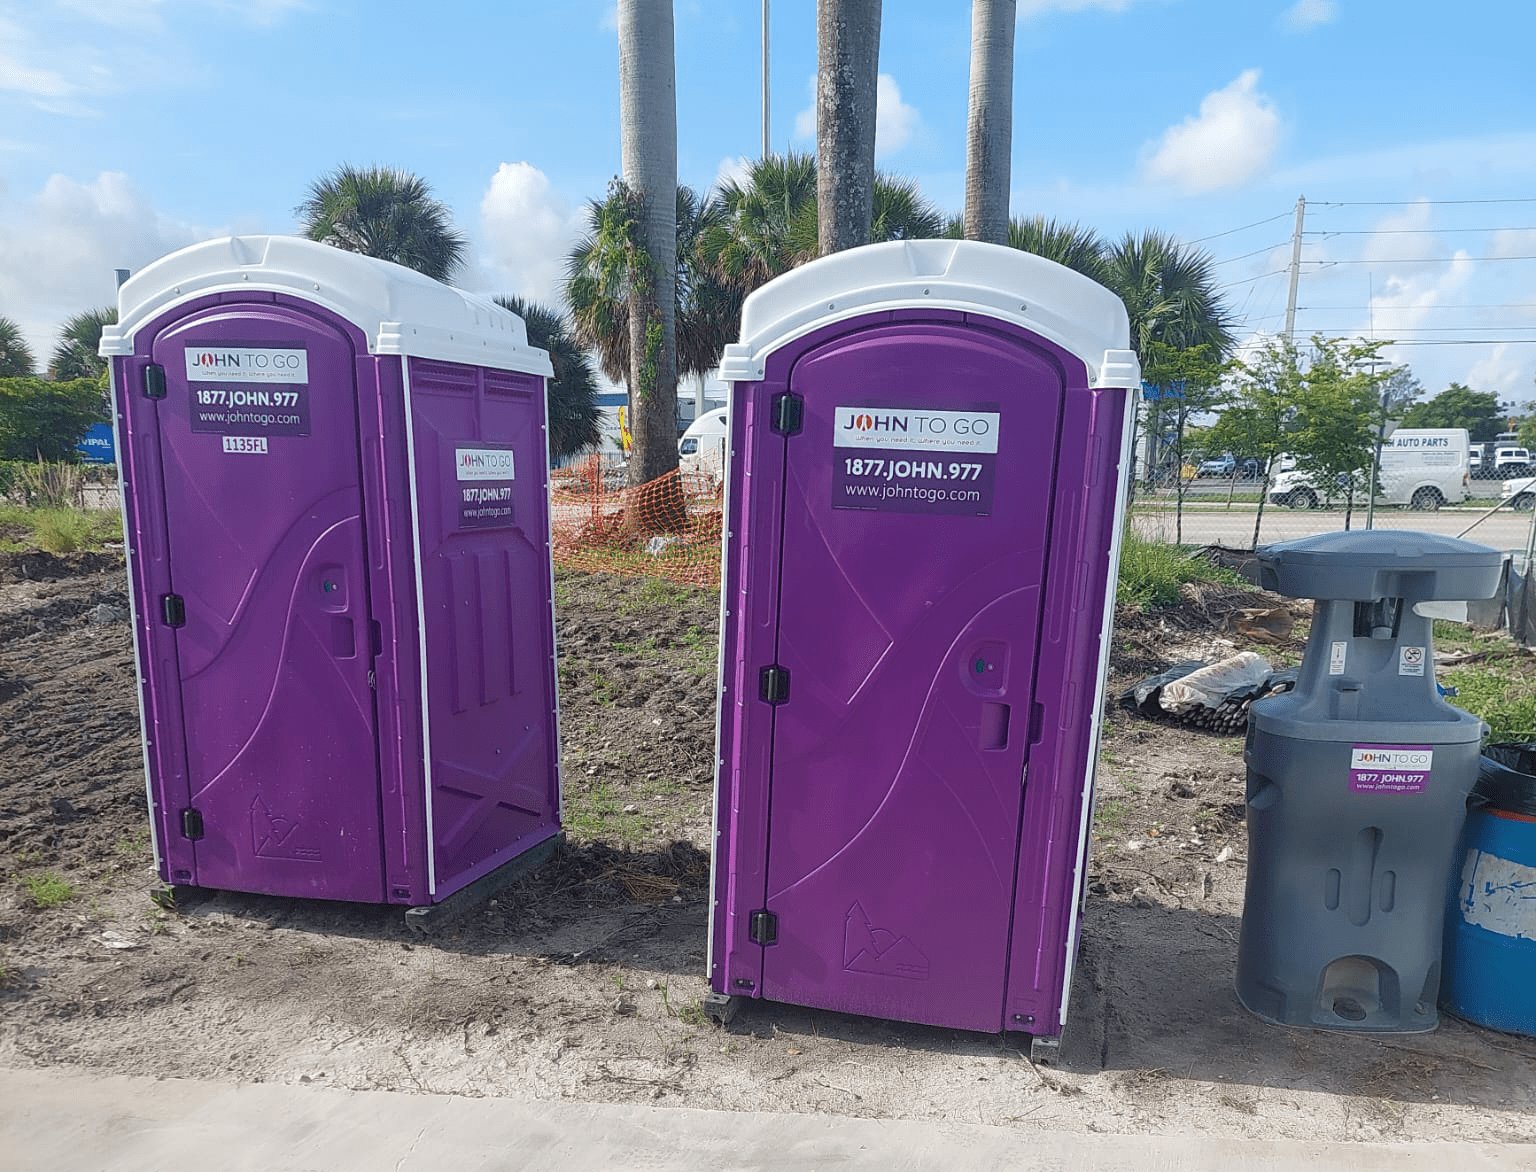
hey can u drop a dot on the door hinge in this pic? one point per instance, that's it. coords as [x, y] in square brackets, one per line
[773, 684]
[788, 413]
[173, 609]
[192, 823]
[763, 928]
[154, 381]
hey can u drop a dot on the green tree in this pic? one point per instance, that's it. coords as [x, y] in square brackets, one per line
[1459, 406]
[572, 397]
[768, 223]
[1191, 380]
[386, 213]
[989, 126]
[15, 355]
[43, 419]
[847, 74]
[1257, 409]
[1067, 244]
[648, 155]
[1334, 410]
[1399, 389]
[1169, 290]
[76, 355]
[708, 313]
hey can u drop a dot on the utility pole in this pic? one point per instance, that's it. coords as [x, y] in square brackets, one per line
[766, 139]
[1290, 300]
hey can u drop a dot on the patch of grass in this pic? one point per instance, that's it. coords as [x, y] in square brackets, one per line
[48, 890]
[1151, 573]
[57, 530]
[1109, 816]
[1505, 699]
[595, 812]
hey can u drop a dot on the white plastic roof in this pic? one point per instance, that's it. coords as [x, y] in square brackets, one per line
[400, 311]
[1058, 303]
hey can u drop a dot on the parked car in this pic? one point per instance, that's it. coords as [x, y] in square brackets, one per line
[1511, 462]
[1223, 465]
[1520, 492]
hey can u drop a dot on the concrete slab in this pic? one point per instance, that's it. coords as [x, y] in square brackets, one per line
[67, 1121]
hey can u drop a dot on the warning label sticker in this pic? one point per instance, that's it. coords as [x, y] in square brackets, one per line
[1410, 661]
[1390, 769]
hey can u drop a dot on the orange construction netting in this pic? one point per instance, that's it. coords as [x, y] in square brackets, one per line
[666, 528]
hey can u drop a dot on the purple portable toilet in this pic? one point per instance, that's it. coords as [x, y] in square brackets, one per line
[923, 518]
[335, 495]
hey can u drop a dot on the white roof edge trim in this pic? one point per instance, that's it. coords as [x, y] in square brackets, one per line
[1048, 299]
[446, 323]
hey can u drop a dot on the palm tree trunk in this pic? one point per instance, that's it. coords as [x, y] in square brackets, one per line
[989, 132]
[847, 80]
[648, 134]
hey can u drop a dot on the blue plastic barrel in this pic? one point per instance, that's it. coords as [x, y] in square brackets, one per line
[1490, 931]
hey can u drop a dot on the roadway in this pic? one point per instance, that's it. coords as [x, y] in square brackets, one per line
[1207, 522]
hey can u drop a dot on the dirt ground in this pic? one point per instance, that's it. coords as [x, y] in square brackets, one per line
[583, 981]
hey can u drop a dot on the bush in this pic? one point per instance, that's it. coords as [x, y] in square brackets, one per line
[1151, 573]
[62, 530]
[49, 486]
[42, 420]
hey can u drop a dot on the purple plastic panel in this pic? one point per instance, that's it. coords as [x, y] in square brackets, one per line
[298, 572]
[1068, 689]
[264, 714]
[482, 498]
[891, 843]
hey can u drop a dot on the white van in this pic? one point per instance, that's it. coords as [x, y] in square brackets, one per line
[702, 448]
[1422, 468]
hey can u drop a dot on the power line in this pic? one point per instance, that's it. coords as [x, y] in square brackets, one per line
[1435, 341]
[1407, 231]
[1246, 255]
[1248, 280]
[1422, 308]
[1244, 228]
[1403, 203]
[1417, 260]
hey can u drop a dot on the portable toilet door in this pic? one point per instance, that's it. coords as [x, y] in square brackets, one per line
[914, 463]
[336, 702]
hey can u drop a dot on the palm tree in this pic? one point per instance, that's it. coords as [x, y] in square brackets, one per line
[75, 356]
[761, 231]
[387, 213]
[15, 354]
[648, 150]
[847, 73]
[572, 397]
[989, 130]
[708, 313]
[769, 224]
[1170, 293]
[1067, 244]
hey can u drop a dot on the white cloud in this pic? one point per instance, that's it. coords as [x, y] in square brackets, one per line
[58, 249]
[1306, 15]
[1231, 140]
[148, 15]
[1033, 8]
[526, 229]
[735, 168]
[895, 121]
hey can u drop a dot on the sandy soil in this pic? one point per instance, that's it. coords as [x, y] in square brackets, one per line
[583, 981]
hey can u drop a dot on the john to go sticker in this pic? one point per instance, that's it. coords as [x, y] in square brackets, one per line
[1390, 769]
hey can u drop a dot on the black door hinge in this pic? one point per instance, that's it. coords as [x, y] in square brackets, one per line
[173, 609]
[154, 381]
[773, 684]
[192, 823]
[788, 413]
[763, 928]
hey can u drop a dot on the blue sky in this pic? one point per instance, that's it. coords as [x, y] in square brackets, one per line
[129, 128]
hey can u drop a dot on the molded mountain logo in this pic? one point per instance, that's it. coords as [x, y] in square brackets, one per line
[868, 949]
[271, 835]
